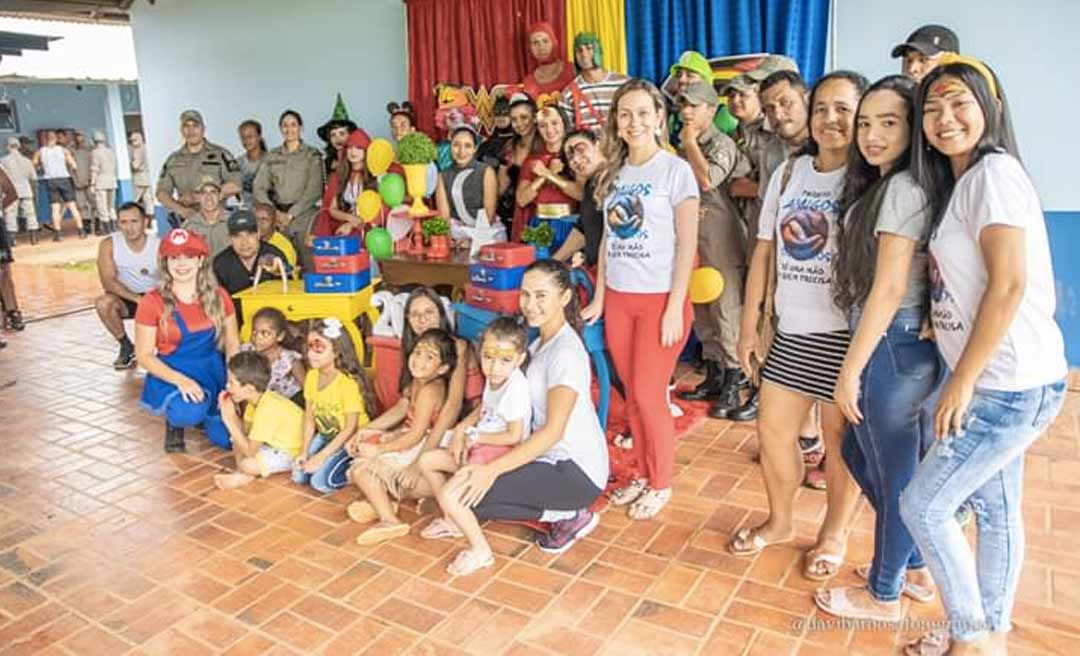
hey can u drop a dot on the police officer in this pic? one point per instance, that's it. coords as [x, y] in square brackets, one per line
[184, 169]
[103, 183]
[209, 220]
[715, 160]
[291, 179]
[84, 198]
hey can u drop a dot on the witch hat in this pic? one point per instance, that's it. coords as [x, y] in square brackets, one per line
[339, 118]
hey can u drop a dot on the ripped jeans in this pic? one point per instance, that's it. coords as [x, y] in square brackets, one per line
[984, 462]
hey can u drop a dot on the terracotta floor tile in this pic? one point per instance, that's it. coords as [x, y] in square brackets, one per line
[107, 545]
[296, 631]
[608, 613]
[95, 640]
[325, 612]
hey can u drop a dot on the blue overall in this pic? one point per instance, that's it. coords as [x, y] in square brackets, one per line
[197, 357]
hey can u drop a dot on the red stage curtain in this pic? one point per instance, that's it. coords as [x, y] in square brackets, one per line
[472, 42]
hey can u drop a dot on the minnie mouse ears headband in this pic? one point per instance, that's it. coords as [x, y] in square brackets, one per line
[404, 108]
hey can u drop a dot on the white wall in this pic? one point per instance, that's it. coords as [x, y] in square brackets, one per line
[239, 59]
[1032, 46]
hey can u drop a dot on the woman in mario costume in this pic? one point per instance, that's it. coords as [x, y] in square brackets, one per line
[184, 330]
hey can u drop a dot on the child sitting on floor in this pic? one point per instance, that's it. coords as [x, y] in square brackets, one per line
[383, 454]
[270, 336]
[501, 420]
[338, 396]
[267, 439]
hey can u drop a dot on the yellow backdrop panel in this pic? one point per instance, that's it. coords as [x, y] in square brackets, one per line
[607, 18]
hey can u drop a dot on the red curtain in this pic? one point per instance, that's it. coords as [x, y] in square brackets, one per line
[472, 42]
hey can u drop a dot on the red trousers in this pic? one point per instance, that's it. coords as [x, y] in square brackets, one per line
[632, 333]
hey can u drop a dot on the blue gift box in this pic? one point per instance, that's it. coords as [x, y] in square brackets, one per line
[336, 283]
[489, 277]
[336, 245]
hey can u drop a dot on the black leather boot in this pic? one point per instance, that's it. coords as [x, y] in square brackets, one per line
[708, 389]
[747, 411]
[728, 400]
[174, 439]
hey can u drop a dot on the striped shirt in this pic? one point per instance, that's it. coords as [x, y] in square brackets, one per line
[577, 107]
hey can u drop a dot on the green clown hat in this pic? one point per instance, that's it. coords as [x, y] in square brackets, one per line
[589, 39]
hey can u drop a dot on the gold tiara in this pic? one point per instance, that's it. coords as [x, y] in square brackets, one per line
[955, 58]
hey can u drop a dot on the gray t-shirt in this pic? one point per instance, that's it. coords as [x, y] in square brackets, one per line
[905, 212]
[564, 362]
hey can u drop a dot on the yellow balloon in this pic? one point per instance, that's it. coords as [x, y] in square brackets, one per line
[706, 285]
[379, 156]
[368, 205]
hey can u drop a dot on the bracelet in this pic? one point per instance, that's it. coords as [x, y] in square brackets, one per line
[472, 435]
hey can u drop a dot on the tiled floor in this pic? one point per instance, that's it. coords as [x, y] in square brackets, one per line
[109, 546]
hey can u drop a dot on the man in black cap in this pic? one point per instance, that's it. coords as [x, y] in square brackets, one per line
[236, 266]
[924, 48]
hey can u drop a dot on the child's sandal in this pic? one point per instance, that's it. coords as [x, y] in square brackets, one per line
[441, 528]
[649, 504]
[628, 493]
[468, 562]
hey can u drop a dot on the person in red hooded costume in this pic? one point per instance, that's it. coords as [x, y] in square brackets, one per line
[350, 179]
[551, 75]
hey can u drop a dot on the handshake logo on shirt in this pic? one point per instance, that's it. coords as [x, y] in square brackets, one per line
[804, 233]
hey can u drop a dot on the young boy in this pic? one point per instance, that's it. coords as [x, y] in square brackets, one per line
[268, 232]
[716, 159]
[268, 437]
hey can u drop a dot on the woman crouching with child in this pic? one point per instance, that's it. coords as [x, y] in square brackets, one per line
[557, 473]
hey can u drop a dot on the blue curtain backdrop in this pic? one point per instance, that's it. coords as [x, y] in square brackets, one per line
[658, 31]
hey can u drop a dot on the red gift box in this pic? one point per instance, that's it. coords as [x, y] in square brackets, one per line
[506, 255]
[342, 263]
[505, 301]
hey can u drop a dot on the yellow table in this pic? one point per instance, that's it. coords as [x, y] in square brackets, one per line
[297, 305]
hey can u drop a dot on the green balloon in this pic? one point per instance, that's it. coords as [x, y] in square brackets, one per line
[392, 189]
[379, 243]
[724, 120]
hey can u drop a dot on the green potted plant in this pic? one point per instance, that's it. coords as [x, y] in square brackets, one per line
[415, 152]
[437, 230]
[541, 237]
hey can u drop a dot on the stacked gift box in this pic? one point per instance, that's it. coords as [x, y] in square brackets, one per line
[494, 286]
[341, 266]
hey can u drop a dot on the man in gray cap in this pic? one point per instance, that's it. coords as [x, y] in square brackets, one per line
[23, 177]
[715, 160]
[923, 48]
[209, 219]
[184, 170]
[84, 198]
[140, 173]
[103, 183]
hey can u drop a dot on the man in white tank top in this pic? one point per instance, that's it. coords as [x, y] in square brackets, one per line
[56, 165]
[128, 268]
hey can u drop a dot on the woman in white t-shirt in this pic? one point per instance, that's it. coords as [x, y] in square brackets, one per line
[650, 201]
[556, 474]
[800, 210]
[992, 296]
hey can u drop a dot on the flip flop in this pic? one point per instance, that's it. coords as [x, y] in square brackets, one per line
[649, 504]
[935, 643]
[441, 528]
[363, 512]
[835, 601]
[382, 533]
[757, 543]
[467, 562]
[832, 563]
[918, 593]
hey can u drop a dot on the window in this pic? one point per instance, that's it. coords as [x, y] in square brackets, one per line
[8, 120]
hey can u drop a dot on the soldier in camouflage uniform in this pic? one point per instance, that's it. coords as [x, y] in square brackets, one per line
[185, 168]
[291, 179]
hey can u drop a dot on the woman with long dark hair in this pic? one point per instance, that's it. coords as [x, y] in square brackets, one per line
[880, 281]
[523, 144]
[992, 295]
[798, 222]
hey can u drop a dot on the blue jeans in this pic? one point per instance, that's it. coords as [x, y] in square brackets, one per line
[883, 451]
[984, 462]
[333, 475]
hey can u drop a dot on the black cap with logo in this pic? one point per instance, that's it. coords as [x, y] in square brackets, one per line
[929, 40]
[242, 221]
